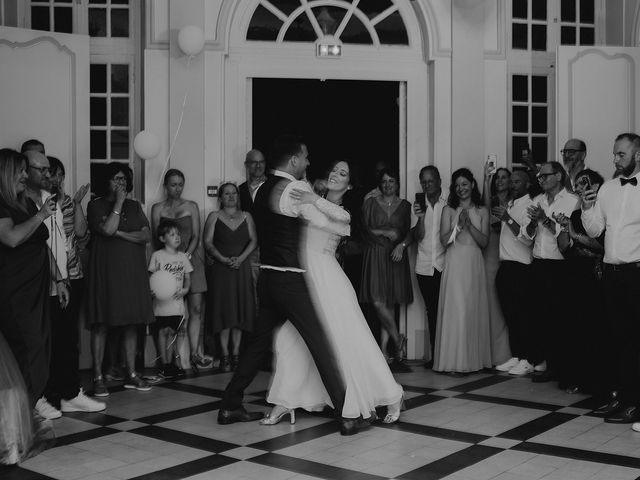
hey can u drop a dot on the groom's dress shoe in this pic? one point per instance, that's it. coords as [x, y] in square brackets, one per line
[351, 426]
[614, 406]
[225, 417]
[627, 415]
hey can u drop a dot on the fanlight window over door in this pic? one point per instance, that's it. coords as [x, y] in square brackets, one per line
[364, 22]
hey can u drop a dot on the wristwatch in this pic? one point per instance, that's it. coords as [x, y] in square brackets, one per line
[510, 221]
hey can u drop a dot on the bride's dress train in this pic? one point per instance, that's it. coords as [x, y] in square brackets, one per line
[368, 380]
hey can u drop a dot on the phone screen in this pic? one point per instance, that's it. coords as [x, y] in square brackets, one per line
[420, 200]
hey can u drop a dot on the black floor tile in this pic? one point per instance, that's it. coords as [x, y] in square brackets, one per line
[96, 418]
[579, 454]
[414, 402]
[537, 426]
[510, 401]
[481, 383]
[189, 469]
[183, 412]
[185, 439]
[294, 438]
[17, 473]
[451, 463]
[185, 387]
[84, 436]
[435, 432]
[315, 469]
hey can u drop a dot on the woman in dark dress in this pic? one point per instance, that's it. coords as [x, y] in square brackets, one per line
[187, 214]
[582, 366]
[229, 238]
[118, 293]
[386, 279]
[24, 295]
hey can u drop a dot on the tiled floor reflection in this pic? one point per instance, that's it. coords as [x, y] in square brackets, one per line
[478, 427]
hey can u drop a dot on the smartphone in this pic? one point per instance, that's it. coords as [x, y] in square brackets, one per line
[492, 160]
[586, 183]
[420, 200]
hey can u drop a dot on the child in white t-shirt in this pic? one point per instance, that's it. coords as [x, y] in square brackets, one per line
[170, 313]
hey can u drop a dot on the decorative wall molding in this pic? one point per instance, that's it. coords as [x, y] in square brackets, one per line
[501, 31]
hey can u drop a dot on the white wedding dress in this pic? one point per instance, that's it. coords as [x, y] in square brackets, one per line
[296, 382]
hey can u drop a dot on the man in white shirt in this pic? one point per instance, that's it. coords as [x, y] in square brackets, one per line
[512, 279]
[431, 253]
[548, 270]
[616, 209]
[573, 155]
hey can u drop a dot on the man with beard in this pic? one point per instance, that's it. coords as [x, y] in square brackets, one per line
[573, 155]
[616, 209]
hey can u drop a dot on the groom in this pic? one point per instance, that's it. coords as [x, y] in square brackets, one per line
[282, 290]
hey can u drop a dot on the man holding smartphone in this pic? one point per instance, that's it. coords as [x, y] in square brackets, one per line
[616, 210]
[430, 259]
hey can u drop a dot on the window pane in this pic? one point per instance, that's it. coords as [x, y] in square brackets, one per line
[120, 2]
[391, 30]
[539, 89]
[63, 19]
[120, 78]
[40, 18]
[539, 9]
[356, 33]
[329, 18]
[63, 1]
[587, 36]
[519, 9]
[301, 30]
[517, 145]
[120, 22]
[520, 40]
[98, 112]
[97, 1]
[539, 37]
[264, 25]
[539, 119]
[286, 6]
[372, 8]
[120, 112]
[587, 11]
[98, 140]
[97, 22]
[10, 14]
[98, 78]
[568, 36]
[568, 10]
[520, 118]
[119, 144]
[539, 149]
[520, 88]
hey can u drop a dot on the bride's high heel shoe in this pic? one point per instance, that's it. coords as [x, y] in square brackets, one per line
[393, 411]
[274, 419]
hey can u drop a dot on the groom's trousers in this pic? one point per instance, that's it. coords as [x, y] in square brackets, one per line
[285, 296]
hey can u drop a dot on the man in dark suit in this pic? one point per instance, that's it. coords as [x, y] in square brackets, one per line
[282, 290]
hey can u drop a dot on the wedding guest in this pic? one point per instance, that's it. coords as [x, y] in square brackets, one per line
[187, 214]
[386, 280]
[118, 294]
[463, 337]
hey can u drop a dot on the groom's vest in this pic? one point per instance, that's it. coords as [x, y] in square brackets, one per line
[278, 235]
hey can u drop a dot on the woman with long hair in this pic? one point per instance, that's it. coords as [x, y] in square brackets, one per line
[463, 342]
[187, 214]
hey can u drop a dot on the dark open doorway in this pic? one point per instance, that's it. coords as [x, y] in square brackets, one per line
[338, 119]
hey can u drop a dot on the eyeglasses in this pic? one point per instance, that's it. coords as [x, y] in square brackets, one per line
[543, 176]
[42, 170]
[569, 151]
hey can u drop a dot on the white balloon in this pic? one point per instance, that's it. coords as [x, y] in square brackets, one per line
[163, 284]
[146, 145]
[191, 40]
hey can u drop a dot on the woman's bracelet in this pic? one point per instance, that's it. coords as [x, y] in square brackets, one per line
[115, 211]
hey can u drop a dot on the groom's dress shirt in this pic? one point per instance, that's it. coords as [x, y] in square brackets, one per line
[617, 209]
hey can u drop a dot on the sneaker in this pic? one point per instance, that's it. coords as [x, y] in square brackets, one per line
[508, 365]
[81, 403]
[541, 367]
[179, 371]
[522, 368]
[137, 383]
[99, 388]
[46, 410]
[113, 375]
[165, 372]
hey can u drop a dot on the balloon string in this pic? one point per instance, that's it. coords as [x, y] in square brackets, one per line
[175, 137]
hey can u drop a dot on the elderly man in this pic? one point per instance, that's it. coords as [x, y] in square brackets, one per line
[548, 271]
[573, 155]
[255, 164]
[616, 209]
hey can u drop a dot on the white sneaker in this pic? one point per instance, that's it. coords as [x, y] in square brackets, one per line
[541, 367]
[81, 403]
[46, 410]
[522, 368]
[508, 365]
[636, 427]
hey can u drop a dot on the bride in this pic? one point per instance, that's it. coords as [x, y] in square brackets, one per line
[368, 380]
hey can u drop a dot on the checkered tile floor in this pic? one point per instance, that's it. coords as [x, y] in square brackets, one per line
[483, 426]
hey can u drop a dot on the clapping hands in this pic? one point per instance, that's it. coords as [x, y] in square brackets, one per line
[463, 219]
